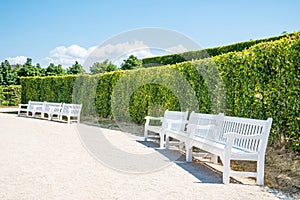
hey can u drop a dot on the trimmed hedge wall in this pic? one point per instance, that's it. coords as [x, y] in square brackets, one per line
[260, 82]
[265, 82]
[10, 95]
[205, 53]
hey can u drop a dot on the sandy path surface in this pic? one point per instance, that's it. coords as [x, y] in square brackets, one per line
[40, 159]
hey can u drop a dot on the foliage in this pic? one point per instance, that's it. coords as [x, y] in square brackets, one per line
[101, 67]
[29, 70]
[205, 53]
[51, 88]
[53, 70]
[8, 75]
[132, 62]
[10, 95]
[263, 82]
[260, 82]
[76, 69]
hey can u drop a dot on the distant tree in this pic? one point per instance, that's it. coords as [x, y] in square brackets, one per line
[76, 69]
[101, 67]
[42, 70]
[28, 61]
[131, 62]
[8, 75]
[53, 70]
[29, 70]
[284, 32]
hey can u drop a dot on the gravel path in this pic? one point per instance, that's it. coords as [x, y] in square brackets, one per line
[41, 160]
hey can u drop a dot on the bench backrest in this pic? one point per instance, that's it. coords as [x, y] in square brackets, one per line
[179, 116]
[48, 105]
[31, 105]
[71, 109]
[246, 126]
[206, 126]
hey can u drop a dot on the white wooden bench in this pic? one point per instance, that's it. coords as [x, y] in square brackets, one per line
[51, 107]
[71, 111]
[230, 138]
[177, 118]
[32, 107]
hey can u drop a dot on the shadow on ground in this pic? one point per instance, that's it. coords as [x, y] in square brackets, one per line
[198, 169]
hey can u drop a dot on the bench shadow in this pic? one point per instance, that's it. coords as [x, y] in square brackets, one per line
[203, 172]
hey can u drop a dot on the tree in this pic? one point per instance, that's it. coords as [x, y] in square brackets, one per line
[53, 70]
[131, 62]
[42, 70]
[29, 70]
[76, 69]
[8, 75]
[105, 66]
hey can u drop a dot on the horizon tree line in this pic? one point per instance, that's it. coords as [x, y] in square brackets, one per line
[10, 74]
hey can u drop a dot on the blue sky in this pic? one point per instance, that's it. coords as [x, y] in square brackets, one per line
[64, 31]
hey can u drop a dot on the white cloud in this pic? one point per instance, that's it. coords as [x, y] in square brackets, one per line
[116, 53]
[66, 56]
[176, 49]
[17, 60]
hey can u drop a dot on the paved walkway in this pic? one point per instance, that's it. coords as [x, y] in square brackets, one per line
[41, 159]
[6, 110]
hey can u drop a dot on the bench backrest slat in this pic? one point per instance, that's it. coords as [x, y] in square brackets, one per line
[31, 104]
[246, 126]
[175, 115]
[73, 109]
[227, 124]
[51, 104]
[199, 119]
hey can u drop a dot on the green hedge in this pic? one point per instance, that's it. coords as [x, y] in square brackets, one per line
[205, 53]
[264, 81]
[10, 95]
[260, 82]
[52, 88]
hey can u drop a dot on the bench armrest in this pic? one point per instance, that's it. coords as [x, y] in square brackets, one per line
[148, 118]
[171, 122]
[196, 127]
[153, 118]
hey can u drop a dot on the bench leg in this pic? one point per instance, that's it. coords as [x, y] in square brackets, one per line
[145, 134]
[226, 167]
[214, 159]
[167, 142]
[260, 172]
[161, 140]
[226, 170]
[189, 153]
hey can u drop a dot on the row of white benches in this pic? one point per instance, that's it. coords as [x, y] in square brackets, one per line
[51, 110]
[229, 138]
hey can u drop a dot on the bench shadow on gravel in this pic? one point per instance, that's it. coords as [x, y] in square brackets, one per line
[200, 170]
